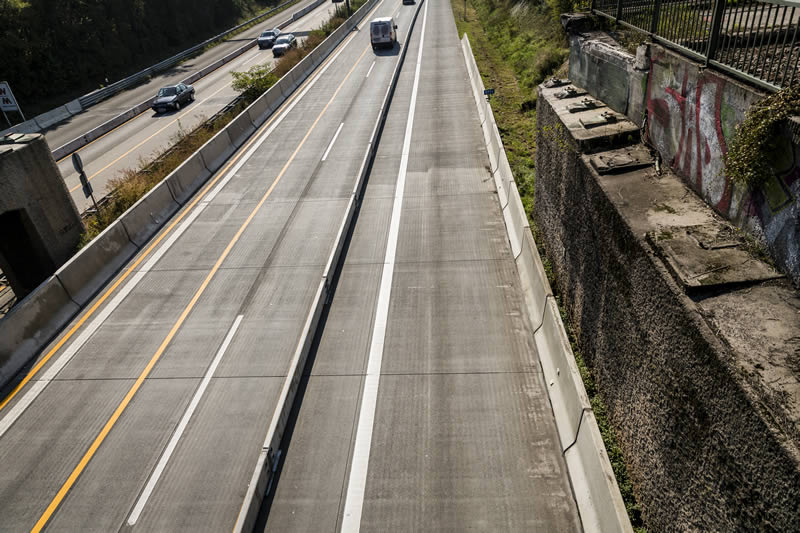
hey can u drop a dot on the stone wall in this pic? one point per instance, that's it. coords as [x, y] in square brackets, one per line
[703, 391]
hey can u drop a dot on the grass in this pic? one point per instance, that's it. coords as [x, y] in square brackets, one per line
[516, 48]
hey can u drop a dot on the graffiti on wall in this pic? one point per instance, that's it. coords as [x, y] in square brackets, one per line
[691, 117]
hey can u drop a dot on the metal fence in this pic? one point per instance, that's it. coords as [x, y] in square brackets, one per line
[751, 39]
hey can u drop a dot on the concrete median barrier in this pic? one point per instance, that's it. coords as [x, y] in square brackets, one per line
[593, 481]
[144, 218]
[52, 117]
[88, 270]
[516, 220]
[240, 129]
[260, 110]
[561, 375]
[217, 150]
[31, 325]
[185, 180]
[533, 279]
[74, 107]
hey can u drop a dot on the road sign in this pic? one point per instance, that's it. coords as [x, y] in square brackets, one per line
[77, 163]
[7, 100]
[87, 187]
[488, 92]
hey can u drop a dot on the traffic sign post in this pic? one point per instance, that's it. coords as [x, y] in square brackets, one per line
[8, 102]
[88, 192]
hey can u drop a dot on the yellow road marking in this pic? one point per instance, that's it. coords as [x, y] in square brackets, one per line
[138, 383]
[33, 371]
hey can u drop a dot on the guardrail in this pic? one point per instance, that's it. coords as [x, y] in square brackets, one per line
[101, 94]
[61, 113]
[592, 478]
[78, 142]
[754, 40]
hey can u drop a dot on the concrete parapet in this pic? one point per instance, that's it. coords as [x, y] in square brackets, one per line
[240, 129]
[217, 150]
[185, 180]
[91, 268]
[32, 324]
[144, 218]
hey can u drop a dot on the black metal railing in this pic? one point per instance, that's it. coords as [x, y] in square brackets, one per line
[752, 39]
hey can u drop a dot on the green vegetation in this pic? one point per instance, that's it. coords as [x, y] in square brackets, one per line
[55, 50]
[517, 46]
[749, 161]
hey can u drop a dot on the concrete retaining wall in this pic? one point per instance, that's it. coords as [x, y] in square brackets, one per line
[702, 394]
[692, 113]
[595, 488]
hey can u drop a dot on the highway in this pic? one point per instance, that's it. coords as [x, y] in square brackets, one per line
[143, 137]
[423, 405]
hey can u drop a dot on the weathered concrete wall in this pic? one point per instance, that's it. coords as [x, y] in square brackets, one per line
[692, 114]
[692, 118]
[37, 209]
[610, 73]
[704, 396]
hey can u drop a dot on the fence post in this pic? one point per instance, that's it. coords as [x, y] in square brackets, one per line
[619, 11]
[656, 16]
[716, 24]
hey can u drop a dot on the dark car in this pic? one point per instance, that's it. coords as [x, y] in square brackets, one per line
[267, 38]
[283, 43]
[171, 98]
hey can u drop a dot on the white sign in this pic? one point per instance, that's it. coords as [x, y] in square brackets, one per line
[7, 100]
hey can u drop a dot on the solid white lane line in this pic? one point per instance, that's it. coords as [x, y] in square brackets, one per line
[370, 69]
[176, 436]
[36, 387]
[325, 155]
[354, 502]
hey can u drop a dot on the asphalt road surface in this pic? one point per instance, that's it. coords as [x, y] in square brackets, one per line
[143, 137]
[424, 408]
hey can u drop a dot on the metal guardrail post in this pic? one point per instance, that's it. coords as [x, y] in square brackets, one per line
[619, 11]
[656, 17]
[716, 25]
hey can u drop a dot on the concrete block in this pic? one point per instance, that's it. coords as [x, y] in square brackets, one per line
[564, 385]
[32, 324]
[260, 110]
[503, 178]
[52, 117]
[217, 150]
[598, 64]
[144, 218]
[593, 482]
[185, 180]
[494, 145]
[240, 129]
[515, 218]
[535, 286]
[96, 263]
[74, 107]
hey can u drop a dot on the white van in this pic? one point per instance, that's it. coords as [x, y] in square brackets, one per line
[383, 32]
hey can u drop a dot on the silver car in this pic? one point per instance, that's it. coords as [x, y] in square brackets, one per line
[283, 43]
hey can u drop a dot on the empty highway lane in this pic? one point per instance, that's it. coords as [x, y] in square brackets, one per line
[423, 406]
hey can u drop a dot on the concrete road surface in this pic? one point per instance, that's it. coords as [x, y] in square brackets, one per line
[425, 407]
[148, 134]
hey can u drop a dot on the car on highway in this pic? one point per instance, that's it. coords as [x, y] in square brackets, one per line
[408, 2]
[382, 32]
[267, 38]
[283, 43]
[172, 97]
